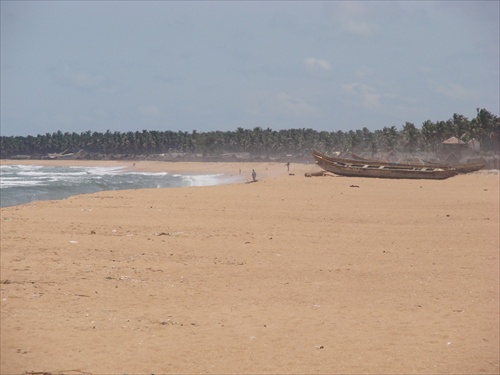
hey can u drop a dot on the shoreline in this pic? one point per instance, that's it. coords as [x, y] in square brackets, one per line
[268, 169]
[227, 173]
[264, 169]
[143, 166]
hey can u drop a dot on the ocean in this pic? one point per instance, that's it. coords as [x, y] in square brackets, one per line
[21, 184]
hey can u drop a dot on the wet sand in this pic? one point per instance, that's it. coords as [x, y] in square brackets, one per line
[288, 275]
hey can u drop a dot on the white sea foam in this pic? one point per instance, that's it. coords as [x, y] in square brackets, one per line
[6, 182]
[209, 180]
[101, 170]
[25, 183]
[149, 173]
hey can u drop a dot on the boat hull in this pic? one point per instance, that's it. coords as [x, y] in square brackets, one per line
[355, 168]
[460, 167]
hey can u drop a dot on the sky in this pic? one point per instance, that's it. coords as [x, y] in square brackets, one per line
[125, 66]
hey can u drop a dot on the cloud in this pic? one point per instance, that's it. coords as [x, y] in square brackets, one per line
[454, 91]
[167, 79]
[363, 72]
[149, 110]
[368, 95]
[356, 18]
[425, 69]
[63, 119]
[265, 104]
[290, 105]
[80, 79]
[314, 65]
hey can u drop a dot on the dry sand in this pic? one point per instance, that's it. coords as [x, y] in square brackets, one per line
[289, 275]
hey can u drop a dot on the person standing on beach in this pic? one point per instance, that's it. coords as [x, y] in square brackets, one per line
[254, 175]
[288, 166]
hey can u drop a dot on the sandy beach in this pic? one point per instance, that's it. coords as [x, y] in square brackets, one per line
[287, 275]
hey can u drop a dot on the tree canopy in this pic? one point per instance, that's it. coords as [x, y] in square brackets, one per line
[485, 128]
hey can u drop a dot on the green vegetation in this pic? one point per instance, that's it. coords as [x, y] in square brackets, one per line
[485, 128]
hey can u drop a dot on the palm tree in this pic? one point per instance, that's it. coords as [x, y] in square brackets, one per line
[486, 127]
[411, 135]
[390, 138]
[429, 136]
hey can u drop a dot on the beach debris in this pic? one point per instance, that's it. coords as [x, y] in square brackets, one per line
[154, 270]
[319, 347]
[73, 241]
[356, 186]
[315, 174]
[178, 233]
[64, 372]
[170, 322]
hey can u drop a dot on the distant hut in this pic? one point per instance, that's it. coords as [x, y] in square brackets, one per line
[452, 149]
[452, 158]
[453, 143]
[474, 145]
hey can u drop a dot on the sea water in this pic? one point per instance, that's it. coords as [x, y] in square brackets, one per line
[21, 184]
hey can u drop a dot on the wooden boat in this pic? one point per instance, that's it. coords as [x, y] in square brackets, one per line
[469, 167]
[465, 167]
[366, 161]
[65, 155]
[460, 167]
[355, 168]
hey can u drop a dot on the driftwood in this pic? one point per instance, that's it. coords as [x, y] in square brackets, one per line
[315, 174]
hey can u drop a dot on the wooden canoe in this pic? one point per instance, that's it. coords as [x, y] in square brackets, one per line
[356, 168]
[460, 167]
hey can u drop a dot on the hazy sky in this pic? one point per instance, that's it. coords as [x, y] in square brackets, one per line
[165, 65]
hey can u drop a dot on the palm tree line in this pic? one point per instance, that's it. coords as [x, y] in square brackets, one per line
[485, 128]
